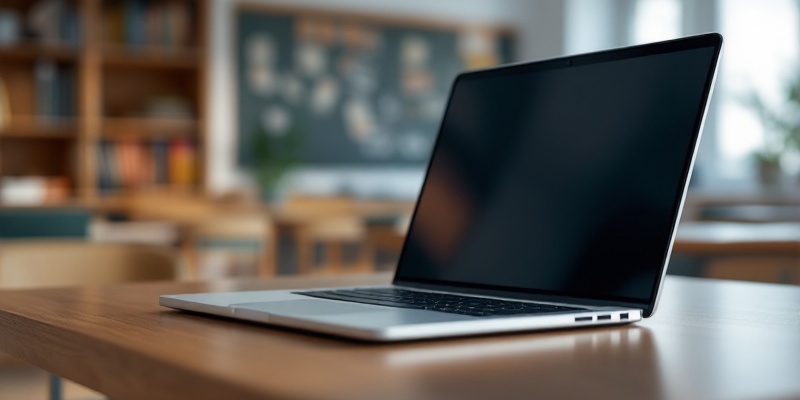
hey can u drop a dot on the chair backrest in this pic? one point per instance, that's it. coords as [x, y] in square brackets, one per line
[322, 205]
[28, 264]
[44, 223]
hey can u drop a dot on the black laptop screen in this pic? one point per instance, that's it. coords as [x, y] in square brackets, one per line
[562, 177]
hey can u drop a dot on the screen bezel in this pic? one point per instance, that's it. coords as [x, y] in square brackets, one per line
[710, 40]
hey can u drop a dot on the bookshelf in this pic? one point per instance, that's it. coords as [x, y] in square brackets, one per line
[109, 103]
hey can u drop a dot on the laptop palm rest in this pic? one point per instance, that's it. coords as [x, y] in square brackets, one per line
[330, 312]
[304, 307]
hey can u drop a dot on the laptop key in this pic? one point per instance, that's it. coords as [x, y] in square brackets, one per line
[448, 303]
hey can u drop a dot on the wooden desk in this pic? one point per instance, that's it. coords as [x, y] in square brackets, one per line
[752, 213]
[709, 339]
[767, 252]
[738, 238]
[698, 200]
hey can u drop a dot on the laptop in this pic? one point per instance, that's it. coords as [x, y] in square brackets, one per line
[551, 200]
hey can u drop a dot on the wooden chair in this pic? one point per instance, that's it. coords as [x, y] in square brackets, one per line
[330, 221]
[25, 264]
[335, 233]
[238, 236]
[34, 264]
[386, 235]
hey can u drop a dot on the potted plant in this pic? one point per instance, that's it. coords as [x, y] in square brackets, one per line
[275, 154]
[768, 167]
[782, 133]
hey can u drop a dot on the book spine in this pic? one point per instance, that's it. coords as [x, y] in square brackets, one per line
[5, 107]
[107, 177]
[165, 26]
[160, 157]
[102, 168]
[45, 89]
[182, 163]
[115, 23]
[133, 23]
[112, 160]
[123, 164]
[72, 32]
[71, 93]
[62, 92]
[150, 25]
[149, 166]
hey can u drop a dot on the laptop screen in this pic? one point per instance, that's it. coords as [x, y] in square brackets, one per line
[563, 177]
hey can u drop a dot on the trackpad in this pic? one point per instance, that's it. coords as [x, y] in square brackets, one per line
[304, 307]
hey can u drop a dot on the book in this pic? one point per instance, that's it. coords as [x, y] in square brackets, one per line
[139, 23]
[134, 22]
[5, 106]
[115, 22]
[182, 160]
[65, 81]
[70, 25]
[46, 89]
[44, 20]
[132, 164]
[103, 167]
[160, 151]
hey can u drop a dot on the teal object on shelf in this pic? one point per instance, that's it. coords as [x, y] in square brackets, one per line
[44, 223]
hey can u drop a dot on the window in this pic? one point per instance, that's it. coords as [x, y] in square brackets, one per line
[655, 20]
[760, 54]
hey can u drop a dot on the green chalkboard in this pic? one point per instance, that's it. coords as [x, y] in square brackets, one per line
[349, 91]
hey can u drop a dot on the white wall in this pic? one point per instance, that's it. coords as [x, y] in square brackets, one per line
[540, 24]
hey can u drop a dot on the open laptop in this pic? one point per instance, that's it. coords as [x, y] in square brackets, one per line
[551, 201]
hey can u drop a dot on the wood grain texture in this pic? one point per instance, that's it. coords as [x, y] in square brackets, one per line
[709, 339]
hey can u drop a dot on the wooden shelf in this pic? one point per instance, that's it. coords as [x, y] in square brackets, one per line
[152, 57]
[110, 79]
[124, 198]
[148, 127]
[23, 127]
[31, 51]
[159, 190]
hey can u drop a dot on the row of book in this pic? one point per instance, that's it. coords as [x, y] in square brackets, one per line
[139, 23]
[55, 90]
[127, 164]
[53, 21]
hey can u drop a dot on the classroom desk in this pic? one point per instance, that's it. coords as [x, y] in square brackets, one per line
[766, 252]
[295, 222]
[738, 238]
[709, 339]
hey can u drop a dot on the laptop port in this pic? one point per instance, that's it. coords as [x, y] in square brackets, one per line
[603, 317]
[583, 319]
[623, 316]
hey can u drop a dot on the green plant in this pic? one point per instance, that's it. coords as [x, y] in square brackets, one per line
[781, 123]
[767, 157]
[275, 155]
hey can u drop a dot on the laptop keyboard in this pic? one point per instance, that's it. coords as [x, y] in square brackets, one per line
[449, 303]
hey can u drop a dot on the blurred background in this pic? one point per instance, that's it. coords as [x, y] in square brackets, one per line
[268, 137]
[284, 137]
[224, 138]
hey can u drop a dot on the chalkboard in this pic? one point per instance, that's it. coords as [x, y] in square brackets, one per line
[347, 90]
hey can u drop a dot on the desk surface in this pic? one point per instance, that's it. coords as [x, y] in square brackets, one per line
[709, 339]
[738, 238]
